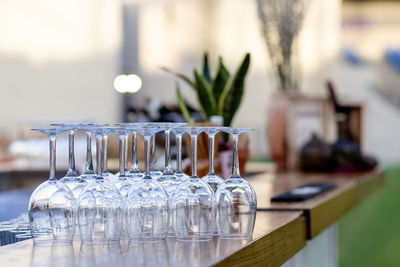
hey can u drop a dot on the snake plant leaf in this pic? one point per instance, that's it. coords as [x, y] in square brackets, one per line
[182, 105]
[232, 96]
[180, 76]
[205, 96]
[206, 68]
[220, 80]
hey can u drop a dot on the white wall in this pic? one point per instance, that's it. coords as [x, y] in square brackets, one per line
[58, 60]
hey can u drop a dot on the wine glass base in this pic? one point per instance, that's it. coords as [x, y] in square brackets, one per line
[155, 175]
[148, 240]
[235, 236]
[52, 243]
[100, 241]
[194, 238]
[171, 235]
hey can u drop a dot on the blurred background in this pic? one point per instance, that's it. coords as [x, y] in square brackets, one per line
[62, 61]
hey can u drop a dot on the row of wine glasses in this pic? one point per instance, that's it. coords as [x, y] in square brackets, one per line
[98, 207]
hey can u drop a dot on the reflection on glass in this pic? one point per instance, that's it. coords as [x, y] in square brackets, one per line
[236, 199]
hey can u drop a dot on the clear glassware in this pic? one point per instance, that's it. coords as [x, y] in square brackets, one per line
[52, 204]
[211, 178]
[134, 173]
[236, 199]
[168, 179]
[100, 205]
[179, 132]
[192, 204]
[105, 173]
[89, 173]
[147, 202]
[154, 172]
[122, 182]
[71, 179]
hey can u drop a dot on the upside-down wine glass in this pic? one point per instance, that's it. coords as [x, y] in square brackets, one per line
[179, 132]
[100, 205]
[147, 202]
[168, 179]
[134, 173]
[154, 172]
[166, 127]
[211, 178]
[192, 204]
[236, 199]
[89, 173]
[105, 173]
[71, 179]
[52, 204]
[122, 182]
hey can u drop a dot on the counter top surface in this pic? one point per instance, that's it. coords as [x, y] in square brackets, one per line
[322, 210]
[281, 230]
[278, 235]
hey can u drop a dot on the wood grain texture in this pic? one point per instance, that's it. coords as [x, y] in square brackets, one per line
[273, 249]
[324, 209]
[277, 236]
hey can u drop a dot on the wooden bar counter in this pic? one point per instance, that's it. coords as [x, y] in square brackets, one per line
[322, 210]
[281, 231]
[277, 237]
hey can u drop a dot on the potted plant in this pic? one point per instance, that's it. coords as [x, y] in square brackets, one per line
[218, 94]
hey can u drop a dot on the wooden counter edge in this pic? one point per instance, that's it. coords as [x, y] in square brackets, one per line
[369, 185]
[272, 249]
[330, 211]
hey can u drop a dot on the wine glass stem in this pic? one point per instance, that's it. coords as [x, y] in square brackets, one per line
[104, 147]
[194, 155]
[99, 152]
[71, 158]
[153, 153]
[147, 155]
[168, 168]
[122, 154]
[179, 153]
[134, 163]
[211, 152]
[235, 158]
[89, 159]
[52, 145]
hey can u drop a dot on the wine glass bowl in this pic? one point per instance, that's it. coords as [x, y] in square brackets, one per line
[51, 205]
[168, 179]
[147, 208]
[192, 203]
[235, 199]
[100, 205]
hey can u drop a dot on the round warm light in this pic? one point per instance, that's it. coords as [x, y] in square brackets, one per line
[127, 83]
